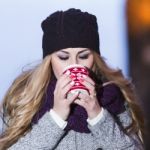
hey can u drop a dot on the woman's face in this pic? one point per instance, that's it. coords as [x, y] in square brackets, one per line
[69, 56]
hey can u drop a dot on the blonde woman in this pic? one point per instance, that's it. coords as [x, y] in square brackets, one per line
[36, 112]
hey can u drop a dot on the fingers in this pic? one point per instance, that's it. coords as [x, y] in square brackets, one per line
[63, 85]
[83, 96]
[73, 98]
[63, 81]
[90, 104]
[88, 79]
[81, 102]
[67, 88]
[90, 87]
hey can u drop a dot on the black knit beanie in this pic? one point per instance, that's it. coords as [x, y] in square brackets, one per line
[69, 29]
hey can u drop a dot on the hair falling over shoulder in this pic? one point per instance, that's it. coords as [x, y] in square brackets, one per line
[116, 76]
[24, 97]
[22, 101]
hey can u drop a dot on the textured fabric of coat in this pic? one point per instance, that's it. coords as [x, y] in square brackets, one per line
[107, 134]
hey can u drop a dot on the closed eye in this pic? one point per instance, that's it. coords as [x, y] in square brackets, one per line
[84, 57]
[81, 57]
[63, 58]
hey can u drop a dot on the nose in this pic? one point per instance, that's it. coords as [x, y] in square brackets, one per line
[74, 61]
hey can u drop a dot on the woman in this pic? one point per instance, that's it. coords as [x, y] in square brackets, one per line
[39, 116]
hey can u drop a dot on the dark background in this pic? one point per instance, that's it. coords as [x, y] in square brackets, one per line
[138, 27]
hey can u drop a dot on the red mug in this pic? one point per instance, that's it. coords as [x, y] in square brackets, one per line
[76, 72]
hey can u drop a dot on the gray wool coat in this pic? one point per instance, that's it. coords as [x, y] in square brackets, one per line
[105, 135]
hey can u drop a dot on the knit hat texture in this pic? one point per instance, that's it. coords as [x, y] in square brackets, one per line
[69, 29]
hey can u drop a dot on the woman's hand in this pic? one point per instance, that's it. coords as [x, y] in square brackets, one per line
[61, 104]
[89, 102]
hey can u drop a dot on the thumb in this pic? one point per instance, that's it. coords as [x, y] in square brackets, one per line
[73, 97]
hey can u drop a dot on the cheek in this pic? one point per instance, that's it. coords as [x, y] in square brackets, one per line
[57, 67]
[57, 71]
[88, 62]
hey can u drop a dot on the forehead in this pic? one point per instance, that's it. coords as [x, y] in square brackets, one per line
[73, 50]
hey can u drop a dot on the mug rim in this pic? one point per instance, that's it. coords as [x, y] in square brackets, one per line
[73, 65]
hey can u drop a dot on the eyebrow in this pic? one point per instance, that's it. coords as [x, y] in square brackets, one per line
[78, 52]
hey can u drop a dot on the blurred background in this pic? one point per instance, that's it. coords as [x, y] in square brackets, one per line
[124, 28]
[138, 29]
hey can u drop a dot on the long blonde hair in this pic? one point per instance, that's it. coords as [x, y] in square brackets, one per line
[24, 97]
[126, 86]
[23, 100]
